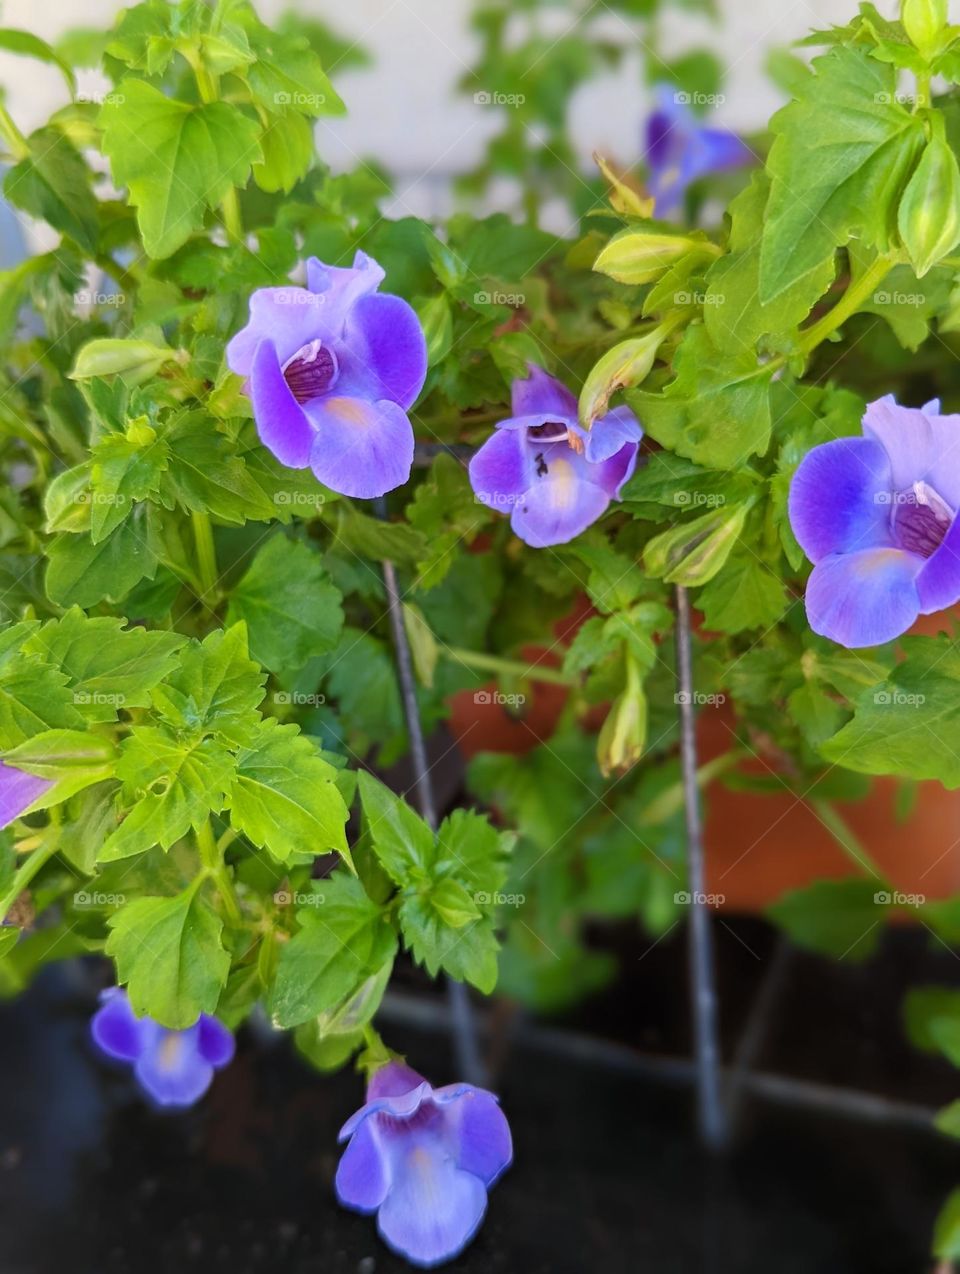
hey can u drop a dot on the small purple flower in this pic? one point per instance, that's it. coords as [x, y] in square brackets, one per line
[174, 1068]
[423, 1159]
[679, 150]
[332, 370]
[553, 477]
[18, 791]
[877, 517]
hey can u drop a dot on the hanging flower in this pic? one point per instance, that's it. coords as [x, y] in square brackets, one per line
[877, 517]
[679, 150]
[332, 370]
[174, 1068]
[423, 1159]
[551, 476]
[18, 791]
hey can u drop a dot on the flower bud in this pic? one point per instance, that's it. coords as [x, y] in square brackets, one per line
[622, 367]
[929, 215]
[623, 734]
[693, 552]
[923, 21]
[639, 256]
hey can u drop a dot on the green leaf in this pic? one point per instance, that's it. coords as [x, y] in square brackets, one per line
[474, 850]
[170, 957]
[466, 951]
[27, 44]
[285, 798]
[287, 147]
[946, 1231]
[287, 74]
[341, 943]
[34, 697]
[733, 313]
[107, 664]
[176, 159]
[843, 152]
[947, 1120]
[291, 608]
[172, 786]
[745, 593]
[72, 759]
[216, 689]
[423, 645]
[908, 725]
[205, 475]
[932, 1019]
[402, 841]
[395, 541]
[716, 411]
[53, 183]
[838, 918]
[82, 573]
[123, 469]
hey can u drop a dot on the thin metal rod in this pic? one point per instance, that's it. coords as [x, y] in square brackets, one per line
[703, 993]
[426, 1014]
[465, 1039]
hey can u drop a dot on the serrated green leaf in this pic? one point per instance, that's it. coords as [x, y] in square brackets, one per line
[53, 183]
[402, 841]
[170, 957]
[216, 689]
[285, 798]
[291, 608]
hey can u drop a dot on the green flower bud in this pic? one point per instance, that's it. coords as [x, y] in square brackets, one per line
[621, 739]
[639, 256]
[929, 215]
[693, 552]
[622, 367]
[923, 21]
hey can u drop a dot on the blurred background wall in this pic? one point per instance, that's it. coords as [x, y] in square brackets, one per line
[404, 109]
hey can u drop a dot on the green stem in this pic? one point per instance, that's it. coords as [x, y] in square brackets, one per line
[848, 842]
[38, 859]
[849, 303]
[214, 868]
[509, 667]
[206, 554]
[208, 86]
[16, 142]
[230, 207]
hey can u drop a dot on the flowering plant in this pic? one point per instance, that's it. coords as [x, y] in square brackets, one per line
[210, 635]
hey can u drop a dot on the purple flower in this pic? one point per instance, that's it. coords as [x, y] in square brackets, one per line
[423, 1159]
[679, 150]
[18, 791]
[174, 1068]
[552, 476]
[877, 517]
[331, 371]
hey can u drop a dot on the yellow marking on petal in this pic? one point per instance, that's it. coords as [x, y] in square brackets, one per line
[876, 560]
[670, 177]
[575, 442]
[562, 484]
[171, 1050]
[348, 409]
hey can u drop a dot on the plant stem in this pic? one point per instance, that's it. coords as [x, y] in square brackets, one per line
[703, 993]
[214, 868]
[37, 859]
[17, 143]
[461, 1012]
[837, 825]
[508, 667]
[230, 207]
[848, 304]
[206, 554]
[208, 86]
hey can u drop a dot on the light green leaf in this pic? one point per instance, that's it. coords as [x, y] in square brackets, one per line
[53, 183]
[285, 798]
[170, 957]
[402, 841]
[176, 159]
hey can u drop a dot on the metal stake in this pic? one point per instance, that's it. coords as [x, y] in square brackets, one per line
[703, 994]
